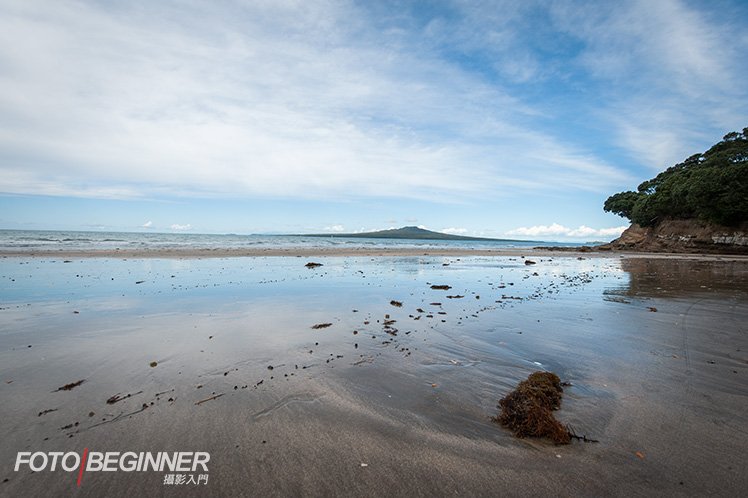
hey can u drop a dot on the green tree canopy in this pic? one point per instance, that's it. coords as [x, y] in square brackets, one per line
[712, 186]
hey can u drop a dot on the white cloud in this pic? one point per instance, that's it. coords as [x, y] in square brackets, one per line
[335, 228]
[669, 70]
[147, 224]
[177, 227]
[454, 231]
[556, 230]
[317, 99]
[270, 99]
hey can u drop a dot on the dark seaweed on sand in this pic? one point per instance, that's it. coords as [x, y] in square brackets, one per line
[72, 385]
[528, 410]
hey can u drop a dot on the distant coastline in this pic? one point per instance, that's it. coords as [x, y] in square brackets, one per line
[190, 245]
[410, 233]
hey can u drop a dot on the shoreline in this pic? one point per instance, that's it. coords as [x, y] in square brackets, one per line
[202, 253]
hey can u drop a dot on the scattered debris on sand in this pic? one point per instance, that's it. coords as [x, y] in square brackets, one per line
[441, 287]
[573, 434]
[68, 387]
[616, 299]
[396, 304]
[528, 410]
[209, 399]
[388, 328]
[312, 264]
[154, 364]
[119, 397]
[529, 262]
[321, 326]
[44, 412]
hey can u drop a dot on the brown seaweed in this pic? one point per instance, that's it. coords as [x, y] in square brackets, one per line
[528, 410]
[68, 387]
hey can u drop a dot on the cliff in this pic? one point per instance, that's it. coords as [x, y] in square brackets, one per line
[683, 236]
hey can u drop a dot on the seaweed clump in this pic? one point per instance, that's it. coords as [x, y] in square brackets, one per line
[528, 410]
[69, 387]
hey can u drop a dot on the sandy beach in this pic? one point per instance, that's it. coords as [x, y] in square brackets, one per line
[317, 251]
[219, 354]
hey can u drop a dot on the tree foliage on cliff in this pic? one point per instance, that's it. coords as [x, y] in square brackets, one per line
[712, 186]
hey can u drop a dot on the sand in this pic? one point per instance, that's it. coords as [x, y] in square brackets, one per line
[372, 414]
[307, 252]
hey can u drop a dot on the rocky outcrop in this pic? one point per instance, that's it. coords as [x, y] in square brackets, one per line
[683, 236]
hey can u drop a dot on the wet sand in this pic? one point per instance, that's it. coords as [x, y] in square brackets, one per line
[665, 392]
[318, 251]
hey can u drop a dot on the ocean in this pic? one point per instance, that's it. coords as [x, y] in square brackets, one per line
[35, 240]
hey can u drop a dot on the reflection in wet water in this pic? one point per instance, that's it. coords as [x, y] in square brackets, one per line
[678, 277]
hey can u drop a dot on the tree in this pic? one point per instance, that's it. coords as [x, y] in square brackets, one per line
[712, 186]
[621, 203]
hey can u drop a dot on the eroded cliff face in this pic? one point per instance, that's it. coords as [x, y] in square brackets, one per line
[683, 236]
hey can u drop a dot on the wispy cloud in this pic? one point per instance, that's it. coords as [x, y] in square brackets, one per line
[496, 107]
[181, 228]
[261, 100]
[147, 224]
[670, 72]
[556, 230]
[454, 231]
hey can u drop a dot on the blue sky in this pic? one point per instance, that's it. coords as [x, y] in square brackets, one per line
[500, 118]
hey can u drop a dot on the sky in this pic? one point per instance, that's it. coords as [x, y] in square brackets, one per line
[489, 118]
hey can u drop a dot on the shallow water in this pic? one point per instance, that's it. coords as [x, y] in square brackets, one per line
[47, 240]
[613, 327]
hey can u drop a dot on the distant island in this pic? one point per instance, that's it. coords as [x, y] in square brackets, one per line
[410, 233]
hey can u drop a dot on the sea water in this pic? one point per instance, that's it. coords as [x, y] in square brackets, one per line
[36, 240]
